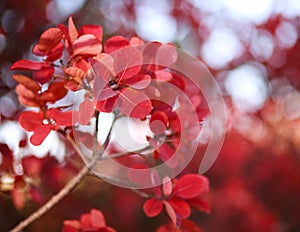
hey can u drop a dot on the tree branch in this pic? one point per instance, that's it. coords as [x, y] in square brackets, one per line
[54, 200]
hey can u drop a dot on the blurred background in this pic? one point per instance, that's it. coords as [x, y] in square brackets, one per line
[251, 47]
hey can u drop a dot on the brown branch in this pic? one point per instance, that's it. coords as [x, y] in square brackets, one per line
[54, 200]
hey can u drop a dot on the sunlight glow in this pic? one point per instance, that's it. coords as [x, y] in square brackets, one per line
[247, 87]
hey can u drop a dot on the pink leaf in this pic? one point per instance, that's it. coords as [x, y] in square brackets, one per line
[127, 62]
[190, 186]
[139, 81]
[75, 72]
[24, 92]
[18, 197]
[73, 33]
[97, 219]
[86, 222]
[162, 75]
[166, 154]
[134, 103]
[87, 45]
[158, 122]
[115, 43]
[49, 39]
[166, 55]
[85, 113]
[93, 30]
[71, 226]
[152, 207]
[106, 105]
[167, 186]
[171, 212]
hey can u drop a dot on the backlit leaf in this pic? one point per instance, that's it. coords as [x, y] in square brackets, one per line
[27, 82]
[27, 65]
[134, 103]
[152, 207]
[44, 75]
[49, 39]
[87, 45]
[97, 219]
[39, 134]
[71, 226]
[91, 29]
[190, 186]
[181, 208]
[115, 43]
[171, 212]
[167, 186]
[29, 120]
[73, 33]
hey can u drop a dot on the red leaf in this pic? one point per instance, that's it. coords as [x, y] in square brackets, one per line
[93, 30]
[75, 72]
[87, 45]
[106, 93]
[115, 43]
[127, 62]
[86, 222]
[27, 65]
[162, 75]
[190, 226]
[27, 82]
[97, 219]
[71, 226]
[106, 105]
[18, 197]
[181, 208]
[166, 55]
[52, 55]
[171, 212]
[136, 41]
[167, 186]
[199, 204]
[152, 207]
[28, 102]
[165, 153]
[73, 33]
[24, 92]
[86, 111]
[61, 118]
[55, 91]
[39, 134]
[138, 177]
[139, 81]
[158, 122]
[36, 195]
[170, 227]
[44, 75]
[134, 103]
[30, 120]
[49, 39]
[32, 166]
[190, 186]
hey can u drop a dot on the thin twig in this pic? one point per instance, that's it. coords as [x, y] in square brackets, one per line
[54, 200]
